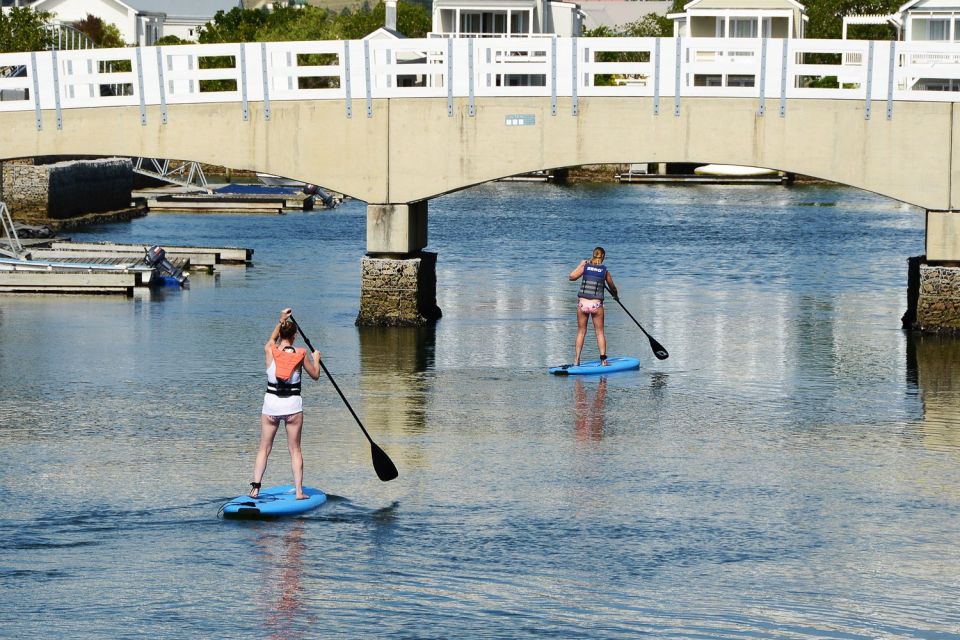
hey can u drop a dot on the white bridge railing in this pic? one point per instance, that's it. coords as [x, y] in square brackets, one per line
[665, 69]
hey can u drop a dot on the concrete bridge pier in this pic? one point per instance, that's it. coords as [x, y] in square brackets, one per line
[398, 279]
[933, 282]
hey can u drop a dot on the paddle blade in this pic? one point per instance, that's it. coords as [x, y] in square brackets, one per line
[658, 350]
[382, 464]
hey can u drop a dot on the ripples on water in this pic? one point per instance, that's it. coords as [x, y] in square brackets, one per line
[792, 471]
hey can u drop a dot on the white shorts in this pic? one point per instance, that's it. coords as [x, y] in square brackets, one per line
[277, 406]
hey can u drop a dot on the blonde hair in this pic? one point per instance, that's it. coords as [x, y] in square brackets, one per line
[598, 255]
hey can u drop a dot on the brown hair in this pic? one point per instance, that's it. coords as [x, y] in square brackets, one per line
[598, 255]
[288, 329]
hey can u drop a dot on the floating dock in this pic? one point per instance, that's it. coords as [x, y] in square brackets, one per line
[103, 267]
[236, 198]
[198, 256]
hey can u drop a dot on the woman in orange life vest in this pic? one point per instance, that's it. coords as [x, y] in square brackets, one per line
[590, 300]
[282, 401]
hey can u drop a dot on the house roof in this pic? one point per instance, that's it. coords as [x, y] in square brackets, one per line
[39, 5]
[174, 8]
[184, 8]
[745, 4]
[929, 4]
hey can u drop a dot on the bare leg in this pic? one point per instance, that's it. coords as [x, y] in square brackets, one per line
[294, 426]
[268, 429]
[601, 338]
[581, 334]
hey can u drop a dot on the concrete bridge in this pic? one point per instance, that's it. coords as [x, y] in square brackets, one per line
[397, 122]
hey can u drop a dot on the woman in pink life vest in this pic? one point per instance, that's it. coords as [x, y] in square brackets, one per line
[590, 300]
[282, 401]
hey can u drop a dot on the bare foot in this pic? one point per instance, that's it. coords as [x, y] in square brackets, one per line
[254, 493]
[302, 496]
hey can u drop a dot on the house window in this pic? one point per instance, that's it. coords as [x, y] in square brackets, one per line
[475, 22]
[743, 27]
[938, 30]
[520, 22]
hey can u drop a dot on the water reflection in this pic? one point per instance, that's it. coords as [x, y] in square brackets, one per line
[282, 580]
[932, 361]
[589, 412]
[393, 385]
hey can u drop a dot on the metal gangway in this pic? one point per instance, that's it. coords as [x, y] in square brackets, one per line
[181, 172]
[16, 249]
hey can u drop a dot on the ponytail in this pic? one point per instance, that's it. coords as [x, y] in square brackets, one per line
[598, 255]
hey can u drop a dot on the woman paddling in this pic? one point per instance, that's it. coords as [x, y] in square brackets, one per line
[282, 401]
[590, 300]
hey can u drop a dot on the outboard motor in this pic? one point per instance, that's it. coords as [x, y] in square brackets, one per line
[315, 192]
[157, 258]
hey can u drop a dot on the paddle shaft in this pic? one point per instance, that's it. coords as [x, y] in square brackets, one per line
[658, 349]
[333, 382]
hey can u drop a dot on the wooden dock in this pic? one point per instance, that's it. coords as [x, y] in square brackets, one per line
[196, 255]
[56, 281]
[229, 203]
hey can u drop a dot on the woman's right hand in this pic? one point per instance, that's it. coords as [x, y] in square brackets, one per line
[286, 313]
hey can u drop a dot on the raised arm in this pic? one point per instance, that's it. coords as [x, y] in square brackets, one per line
[313, 368]
[576, 273]
[274, 336]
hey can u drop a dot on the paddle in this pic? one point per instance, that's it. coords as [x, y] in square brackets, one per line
[658, 349]
[382, 463]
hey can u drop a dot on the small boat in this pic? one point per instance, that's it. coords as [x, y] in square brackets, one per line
[733, 171]
[279, 181]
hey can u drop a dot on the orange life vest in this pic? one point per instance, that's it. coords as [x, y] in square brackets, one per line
[287, 361]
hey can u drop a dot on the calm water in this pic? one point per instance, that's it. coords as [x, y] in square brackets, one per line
[792, 471]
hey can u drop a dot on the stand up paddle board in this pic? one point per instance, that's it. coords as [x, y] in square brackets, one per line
[614, 364]
[274, 502]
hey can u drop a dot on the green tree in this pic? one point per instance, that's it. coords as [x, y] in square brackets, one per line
[103, 34]
[651, 25]
[311, 23]
[236, 25]
[24, 29]
[171, 40]
[826, 17]
[289, 24]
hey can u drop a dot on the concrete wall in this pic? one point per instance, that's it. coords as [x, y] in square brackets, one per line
[67, 189]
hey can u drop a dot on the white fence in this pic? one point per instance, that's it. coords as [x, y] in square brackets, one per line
[666, 69]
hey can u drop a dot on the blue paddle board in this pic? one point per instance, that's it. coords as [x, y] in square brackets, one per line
[615, 363]
[274, 502]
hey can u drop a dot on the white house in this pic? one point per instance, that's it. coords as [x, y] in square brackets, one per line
[141, 22]
[921, 21]
[740, 19]
[499, 18]
[917, 21]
